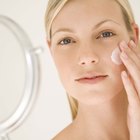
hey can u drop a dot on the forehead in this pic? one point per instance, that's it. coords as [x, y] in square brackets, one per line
[89, 12]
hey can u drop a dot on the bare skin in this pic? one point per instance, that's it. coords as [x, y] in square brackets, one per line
[103, 124]
[82, 49]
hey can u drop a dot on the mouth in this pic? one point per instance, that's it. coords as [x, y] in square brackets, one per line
[91, 80]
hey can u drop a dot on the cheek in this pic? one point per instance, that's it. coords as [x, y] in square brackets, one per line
[115, 56]
[112, 51]
[63, 64]
[114, 64]
[111, 59]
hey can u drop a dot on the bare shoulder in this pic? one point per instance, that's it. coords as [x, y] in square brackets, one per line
[65, 134]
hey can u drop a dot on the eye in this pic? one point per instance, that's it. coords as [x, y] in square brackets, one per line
[106, 35]
[66, 41]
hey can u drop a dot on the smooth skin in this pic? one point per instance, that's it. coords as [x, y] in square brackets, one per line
[131, 59]
[84, 34]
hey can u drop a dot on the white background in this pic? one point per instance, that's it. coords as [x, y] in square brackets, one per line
[51, 111]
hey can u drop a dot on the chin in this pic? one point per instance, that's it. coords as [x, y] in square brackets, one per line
[96, 98]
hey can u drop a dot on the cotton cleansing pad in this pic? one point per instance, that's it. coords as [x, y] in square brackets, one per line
[115, 56]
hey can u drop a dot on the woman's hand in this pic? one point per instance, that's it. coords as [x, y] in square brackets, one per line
[130, 56]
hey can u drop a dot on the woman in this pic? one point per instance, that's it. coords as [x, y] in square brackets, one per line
[94, 44]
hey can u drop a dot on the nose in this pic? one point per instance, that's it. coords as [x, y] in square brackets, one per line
[88, 59]
[88, 53]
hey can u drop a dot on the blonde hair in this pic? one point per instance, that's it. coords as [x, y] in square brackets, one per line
[55, 6]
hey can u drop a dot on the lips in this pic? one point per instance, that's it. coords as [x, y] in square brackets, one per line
[91, 79]
[94, 77]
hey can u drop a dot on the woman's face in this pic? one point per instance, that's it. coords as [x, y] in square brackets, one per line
[84, 34]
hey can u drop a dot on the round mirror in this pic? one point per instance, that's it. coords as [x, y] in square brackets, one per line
[18, 75]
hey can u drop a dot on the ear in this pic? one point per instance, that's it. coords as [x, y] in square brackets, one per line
[135, 32]
[48, 43]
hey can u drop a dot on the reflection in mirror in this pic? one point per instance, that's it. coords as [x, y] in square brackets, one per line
[18, 76]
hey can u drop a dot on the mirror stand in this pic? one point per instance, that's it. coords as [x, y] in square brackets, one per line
[4, 137]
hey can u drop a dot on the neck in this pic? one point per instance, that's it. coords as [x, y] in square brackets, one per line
[107, 120]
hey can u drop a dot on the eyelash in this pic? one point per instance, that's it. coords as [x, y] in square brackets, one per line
[105, 33]
[100, 36]
[64, 39]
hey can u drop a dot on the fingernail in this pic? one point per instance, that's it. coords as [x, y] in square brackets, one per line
[132, 43]
[123, 44]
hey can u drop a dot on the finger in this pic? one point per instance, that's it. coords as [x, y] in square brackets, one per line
[131, 52]
[134, 48]
[132, 68]
[132, 95]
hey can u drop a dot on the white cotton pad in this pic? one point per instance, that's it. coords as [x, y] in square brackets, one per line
[115, 56]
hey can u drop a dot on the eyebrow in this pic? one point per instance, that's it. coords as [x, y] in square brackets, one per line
[95, 27]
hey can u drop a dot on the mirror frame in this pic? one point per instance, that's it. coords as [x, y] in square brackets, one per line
[31, 84]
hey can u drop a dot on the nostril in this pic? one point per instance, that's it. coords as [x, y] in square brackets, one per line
[87, 60]
[83, 63]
